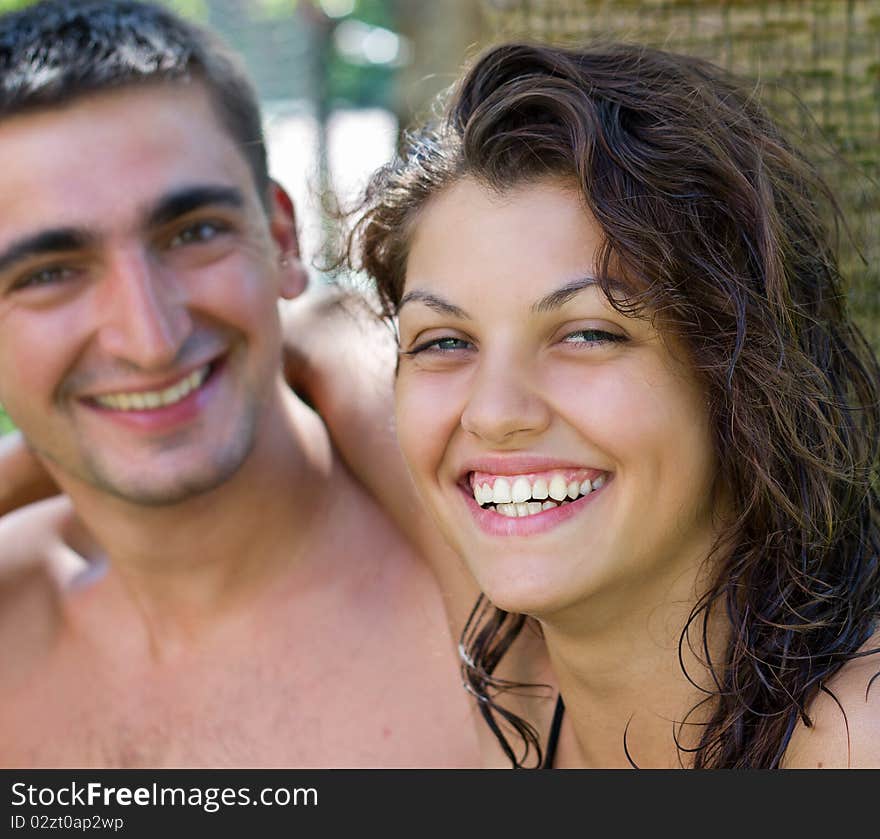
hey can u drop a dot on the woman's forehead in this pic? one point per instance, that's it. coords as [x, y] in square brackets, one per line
[534, 236]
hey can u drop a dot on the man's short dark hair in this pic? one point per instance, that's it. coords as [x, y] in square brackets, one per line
[58, 50]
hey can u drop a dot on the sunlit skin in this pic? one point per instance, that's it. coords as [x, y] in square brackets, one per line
[107, 289]
[513, 362]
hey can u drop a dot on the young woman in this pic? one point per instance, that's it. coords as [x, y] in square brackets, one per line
[631, 395]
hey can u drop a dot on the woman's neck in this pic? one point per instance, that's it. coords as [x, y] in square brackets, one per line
[632, 684]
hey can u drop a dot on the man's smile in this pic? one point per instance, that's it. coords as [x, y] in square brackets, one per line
[141, 400]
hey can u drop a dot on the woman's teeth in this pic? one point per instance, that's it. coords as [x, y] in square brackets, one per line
[528, 508]
[528, 497]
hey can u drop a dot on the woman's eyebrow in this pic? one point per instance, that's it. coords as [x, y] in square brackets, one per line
[562, 295]
[432, 301]
[553, 300]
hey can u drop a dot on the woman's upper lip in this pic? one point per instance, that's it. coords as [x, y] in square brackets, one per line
[519, 464]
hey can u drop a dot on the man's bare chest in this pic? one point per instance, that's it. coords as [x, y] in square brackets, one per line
[254, 732]
[297, 704]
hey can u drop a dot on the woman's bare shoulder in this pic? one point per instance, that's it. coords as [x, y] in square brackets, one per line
[47, 535]
[33, 568]
[845, 733]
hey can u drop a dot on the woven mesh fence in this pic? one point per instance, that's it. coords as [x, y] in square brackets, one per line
[819, 65]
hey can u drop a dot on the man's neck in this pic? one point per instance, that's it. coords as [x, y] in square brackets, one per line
[204, 555]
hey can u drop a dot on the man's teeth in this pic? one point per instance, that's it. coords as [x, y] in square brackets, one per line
[527, 498]
[146, 400]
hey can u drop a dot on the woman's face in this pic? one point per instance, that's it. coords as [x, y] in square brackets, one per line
[563, 448]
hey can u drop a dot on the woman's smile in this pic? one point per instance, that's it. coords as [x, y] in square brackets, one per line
[526, 505]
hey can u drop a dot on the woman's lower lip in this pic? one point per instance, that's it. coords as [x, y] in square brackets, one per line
[496, 524]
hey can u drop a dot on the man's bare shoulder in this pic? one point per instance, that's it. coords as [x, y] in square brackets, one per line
[846, 720]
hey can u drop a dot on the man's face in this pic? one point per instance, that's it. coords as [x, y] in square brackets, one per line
[139, 279]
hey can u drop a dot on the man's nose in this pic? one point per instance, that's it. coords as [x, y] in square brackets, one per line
[145, 316]
[504, 408]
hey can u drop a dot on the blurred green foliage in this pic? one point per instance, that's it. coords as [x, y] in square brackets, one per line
[361, 85]
[5, 422]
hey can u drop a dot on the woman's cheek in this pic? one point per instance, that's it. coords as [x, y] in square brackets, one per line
[427, 412]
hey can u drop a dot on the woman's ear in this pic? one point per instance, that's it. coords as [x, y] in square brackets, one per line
[282, 224]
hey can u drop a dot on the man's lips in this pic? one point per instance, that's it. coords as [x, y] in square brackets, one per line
[162, 412]
[142, 395]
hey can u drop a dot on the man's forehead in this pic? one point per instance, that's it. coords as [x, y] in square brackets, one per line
[113, 156]
[183, 90]
[183, 111]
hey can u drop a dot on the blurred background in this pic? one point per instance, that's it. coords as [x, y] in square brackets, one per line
[339, 79]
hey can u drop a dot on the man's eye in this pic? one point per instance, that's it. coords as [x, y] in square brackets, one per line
[199, 233]
[48, 276]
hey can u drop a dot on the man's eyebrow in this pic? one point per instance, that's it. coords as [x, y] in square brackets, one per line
[59, 240]
[432, 301]
[562, 295]
[185, 200]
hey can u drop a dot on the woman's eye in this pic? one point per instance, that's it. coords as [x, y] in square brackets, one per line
[203, 231]
[440, 345]
[592, 336]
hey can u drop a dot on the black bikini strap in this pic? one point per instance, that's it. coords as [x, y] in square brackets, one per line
[550, 755]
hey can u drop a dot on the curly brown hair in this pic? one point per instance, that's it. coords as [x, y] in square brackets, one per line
[723, 229]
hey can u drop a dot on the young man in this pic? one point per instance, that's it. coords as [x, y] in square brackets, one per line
[243, 601]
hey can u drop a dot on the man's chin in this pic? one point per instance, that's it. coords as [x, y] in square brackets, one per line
[167, 488]
[162, 494]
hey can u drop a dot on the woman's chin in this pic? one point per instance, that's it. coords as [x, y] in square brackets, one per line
[522, 595]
